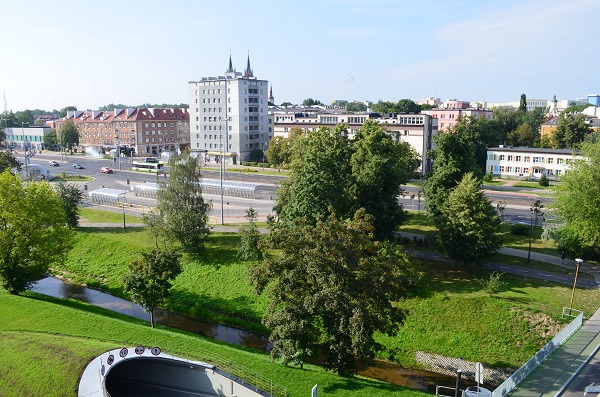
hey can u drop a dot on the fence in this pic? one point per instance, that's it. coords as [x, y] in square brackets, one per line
[509, 384]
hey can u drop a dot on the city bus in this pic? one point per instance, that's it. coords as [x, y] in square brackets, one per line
[142, 166]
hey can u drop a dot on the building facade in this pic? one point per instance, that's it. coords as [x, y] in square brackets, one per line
[148, 131]
[416, 129]
[26, 138]
[447, 118]
[524, 162]
[229, 115]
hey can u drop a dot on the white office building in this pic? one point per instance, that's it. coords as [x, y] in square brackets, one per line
[229, 115]
[525, 162]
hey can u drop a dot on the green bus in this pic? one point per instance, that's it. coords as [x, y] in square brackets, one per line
[142, 166]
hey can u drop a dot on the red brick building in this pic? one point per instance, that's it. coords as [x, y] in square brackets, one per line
[150, 131]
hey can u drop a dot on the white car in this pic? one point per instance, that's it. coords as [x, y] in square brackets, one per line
[53, 163]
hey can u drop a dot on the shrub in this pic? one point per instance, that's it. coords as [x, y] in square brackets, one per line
[519, 230]
[493, 284]
[544, 181]
[488, 177]
[245, 163]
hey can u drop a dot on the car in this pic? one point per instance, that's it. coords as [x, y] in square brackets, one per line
[106, 170]
[53, 163]
[78, 166]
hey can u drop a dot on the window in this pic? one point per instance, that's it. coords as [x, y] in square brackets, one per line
[501, 168]
[517, 158]
[510, 157]
[525, 170]
[509, 169]
[527, 159]
[502, 157]
[538, 159]
[560, 161]
[550, 160]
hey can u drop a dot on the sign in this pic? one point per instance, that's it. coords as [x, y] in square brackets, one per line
[123, 353]
[479, 373]
[315, 390]
[139, 349]
[111, 359]
[155, 351]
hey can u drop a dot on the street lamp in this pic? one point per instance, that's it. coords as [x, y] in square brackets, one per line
[536, 210]
[132, 145]
[221, 166]
[458, 377]
[118, 147]
[578, 260]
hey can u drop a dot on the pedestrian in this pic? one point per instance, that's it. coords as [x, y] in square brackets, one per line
[562, 257]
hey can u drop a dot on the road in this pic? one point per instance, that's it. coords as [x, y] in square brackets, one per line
[234, 208]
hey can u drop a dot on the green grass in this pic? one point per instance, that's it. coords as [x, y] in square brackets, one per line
[529, 185]
[216, 288]
[45, 344]
[93, 215]
[72, 178]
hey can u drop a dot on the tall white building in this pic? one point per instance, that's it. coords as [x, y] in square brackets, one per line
[236, 103]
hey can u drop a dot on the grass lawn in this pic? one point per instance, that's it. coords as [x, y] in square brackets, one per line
[63, 177]
[45, 344]
[94, 215]
[449, 305]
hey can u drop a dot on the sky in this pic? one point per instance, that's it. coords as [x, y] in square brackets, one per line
[89, 54]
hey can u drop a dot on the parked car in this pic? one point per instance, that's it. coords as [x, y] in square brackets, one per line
[78, 166]
[106, 170]
[53, 163]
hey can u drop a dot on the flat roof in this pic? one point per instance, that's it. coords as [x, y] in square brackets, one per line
[527, 149]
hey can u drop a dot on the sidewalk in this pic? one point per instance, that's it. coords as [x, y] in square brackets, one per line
[552, 376]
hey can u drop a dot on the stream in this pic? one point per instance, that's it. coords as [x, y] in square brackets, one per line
[381, 370]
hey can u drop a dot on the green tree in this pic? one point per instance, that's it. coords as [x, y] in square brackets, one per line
[524, 135]
[285, 104]
[454, 157]
[8, 161]
[63, 111]
[483, 132]
[331, 288]
[577, 201]
[311, 102]
[50, 139]
[248, 247]
[70, 196]
[33, 232]
[571, 131]
[256, 156]
[24, 117]
[380, 167]
[68, 135]
[149, 277]
[469, 230]
[507, 120]
[182, 206]
[280, 151]
[319, 177]
[523, 103]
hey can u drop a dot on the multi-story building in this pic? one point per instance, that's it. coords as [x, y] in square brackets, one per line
[229, 115]
[447, 118]
[149, 131]
[525, 162]
[416, 129]
[26, 138]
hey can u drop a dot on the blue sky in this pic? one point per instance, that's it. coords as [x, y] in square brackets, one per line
[88, 54]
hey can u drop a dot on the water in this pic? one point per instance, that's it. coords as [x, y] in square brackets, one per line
[381, 370]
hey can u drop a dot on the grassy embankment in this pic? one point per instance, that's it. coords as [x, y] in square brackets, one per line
[449, 315]
[46, 343]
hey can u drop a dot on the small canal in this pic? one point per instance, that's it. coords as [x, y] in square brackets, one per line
[381, 370]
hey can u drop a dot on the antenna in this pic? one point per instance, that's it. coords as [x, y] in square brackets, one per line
[5, 106]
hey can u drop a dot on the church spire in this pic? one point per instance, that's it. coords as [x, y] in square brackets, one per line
[248, 72]
[230, 68]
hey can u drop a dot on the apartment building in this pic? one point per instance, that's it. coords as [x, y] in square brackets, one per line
[448, 117]
[416, 129]
[525, 162]
[149, 131]
[26, 138]
[229, 115]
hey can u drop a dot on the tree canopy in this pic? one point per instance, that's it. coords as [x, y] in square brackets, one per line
[69, 135]
[483, 132]
[330, 288]
[181, 205]
[149, 277]
[8, 161]
[571, 131]
[311, 102]
[469, 225]
[70, 196]
[402, 106]
[577, 201]
[33, 232]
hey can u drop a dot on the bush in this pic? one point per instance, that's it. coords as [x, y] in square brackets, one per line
[245, 163]
[544, 181]
[488, 177]
[519, 230]
[492, 285]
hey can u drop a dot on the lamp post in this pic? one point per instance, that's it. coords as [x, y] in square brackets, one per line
[536, 210]
[118, 147]
[132, 145]
[578, 260]
[221, 166]
[458, 377]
